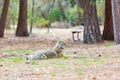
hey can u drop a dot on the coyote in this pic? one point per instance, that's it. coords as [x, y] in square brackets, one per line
[55, 52]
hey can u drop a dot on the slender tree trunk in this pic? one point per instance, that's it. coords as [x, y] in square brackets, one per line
[81, 4]
[31, 26]
[63, 16]
[50, 12]
[108, 32]
[78, 11]
[22, 20]
[91, 29]
[116, 20]
[4, 17]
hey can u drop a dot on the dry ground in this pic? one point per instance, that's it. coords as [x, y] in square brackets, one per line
[81, 61]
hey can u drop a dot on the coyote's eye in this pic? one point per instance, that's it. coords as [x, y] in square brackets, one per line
[62, 47]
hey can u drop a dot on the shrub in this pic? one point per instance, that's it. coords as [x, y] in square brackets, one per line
[72, 14]
[55, 15]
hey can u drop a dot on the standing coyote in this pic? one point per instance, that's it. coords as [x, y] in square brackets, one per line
[55, 52]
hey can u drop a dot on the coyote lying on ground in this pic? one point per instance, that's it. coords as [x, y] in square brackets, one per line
[55, 52]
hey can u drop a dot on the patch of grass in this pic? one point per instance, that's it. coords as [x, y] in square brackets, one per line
[61, 58]
[8, 51]
[106, 55]
[79, 57]
[20, 51]
[86, 62]
[93, 55]
[65, 69]
[97, 60]
[2, 60]
[59, 64]
[118, 56]
[34, 62]
[53, 74]
[13, 59]
[65, 57]
[108, 44]
[76, 63]
[16, 59]
[80, 72]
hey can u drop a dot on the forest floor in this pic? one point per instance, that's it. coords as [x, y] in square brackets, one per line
[80, 62]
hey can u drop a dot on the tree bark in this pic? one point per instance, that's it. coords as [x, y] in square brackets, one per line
[81, 3]
[63, 16]
[31, 25]
[50, 12]
[91, 28]
[116, 20]
[4, 17]
[108, 32]
[78, 11]
[22, 20]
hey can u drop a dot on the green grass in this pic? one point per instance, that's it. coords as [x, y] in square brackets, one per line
[109, 44]
[53, 74]
[98, 60]
[79, 57]
[86, 62]
[80, 72]
[34, 62]
[105, 55]
[59, 64]
[13, 59]
[16, 59]
[65, 69]
[76, 63]
[20, 51]
[3, 60]
[117, 56]
[65, 57]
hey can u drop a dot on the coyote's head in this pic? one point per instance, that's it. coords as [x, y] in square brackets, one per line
[60, 45]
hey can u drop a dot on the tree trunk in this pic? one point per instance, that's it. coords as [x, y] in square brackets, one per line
[63, 16]
[78, 11]
[91, 29]
[22, 20]
[116, 20]
[31, 25]
[4, 17]
[50, 12]
[81, 3]
[108, 32]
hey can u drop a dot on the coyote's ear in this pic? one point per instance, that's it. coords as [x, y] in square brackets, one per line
[60, 41]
